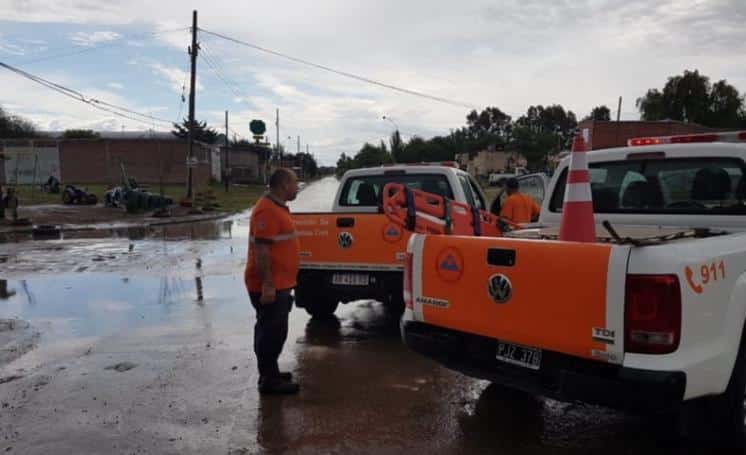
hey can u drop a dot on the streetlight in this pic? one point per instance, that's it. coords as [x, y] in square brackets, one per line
[392, 122]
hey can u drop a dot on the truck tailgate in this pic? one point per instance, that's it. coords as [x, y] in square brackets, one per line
[559, 296]
[350, 241]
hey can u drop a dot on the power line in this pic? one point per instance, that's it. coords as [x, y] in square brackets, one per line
[94, 102]
[342, 73]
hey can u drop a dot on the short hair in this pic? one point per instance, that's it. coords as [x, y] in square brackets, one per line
[280, 177]
[512, 183]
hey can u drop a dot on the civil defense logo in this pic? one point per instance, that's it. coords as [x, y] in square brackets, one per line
[450, 264]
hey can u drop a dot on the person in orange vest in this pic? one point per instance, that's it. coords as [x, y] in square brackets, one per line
[518, 207]
[270, 276]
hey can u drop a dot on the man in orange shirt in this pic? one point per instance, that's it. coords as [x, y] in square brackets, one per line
[270, 276]
[518, 207]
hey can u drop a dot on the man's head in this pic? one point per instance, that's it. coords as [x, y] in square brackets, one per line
[511, 185]
[283, 183]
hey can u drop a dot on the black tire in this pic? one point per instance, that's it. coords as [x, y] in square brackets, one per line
[67, 198]
[721, 419]
[728, 408]
[91, 199]
[322, 307]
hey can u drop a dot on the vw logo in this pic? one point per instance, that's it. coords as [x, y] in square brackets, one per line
[344, 240]
[500, 288]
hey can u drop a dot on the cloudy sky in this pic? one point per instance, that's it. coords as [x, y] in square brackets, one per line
[510, 54]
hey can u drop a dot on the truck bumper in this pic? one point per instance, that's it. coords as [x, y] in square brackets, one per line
[561, 377]
[383, 286]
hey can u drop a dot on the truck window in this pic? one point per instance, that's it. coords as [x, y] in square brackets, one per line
[533, 187]
[365, 191]
[467, 189]
[680, 185]
[478, 200]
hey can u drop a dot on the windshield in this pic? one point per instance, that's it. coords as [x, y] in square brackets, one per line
[365, 191]
[683, 186]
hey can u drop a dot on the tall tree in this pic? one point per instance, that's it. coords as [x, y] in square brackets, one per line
[599, 113]
[397, 146]
[13, 126]
[202, 132]
[489, 126]
[690, 97]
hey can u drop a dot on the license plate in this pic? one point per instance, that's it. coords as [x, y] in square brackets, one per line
[516, 354]
[351, 279]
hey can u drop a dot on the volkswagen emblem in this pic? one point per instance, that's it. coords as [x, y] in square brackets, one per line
[344, 240]
[500, 288]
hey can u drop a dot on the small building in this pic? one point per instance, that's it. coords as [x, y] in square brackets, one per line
[482, 163]
[79, 161]
[247, 163]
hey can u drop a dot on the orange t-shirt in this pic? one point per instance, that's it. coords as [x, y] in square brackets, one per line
[271, 224]
[520, 208]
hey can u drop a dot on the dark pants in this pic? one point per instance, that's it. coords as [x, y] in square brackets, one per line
[270, 331]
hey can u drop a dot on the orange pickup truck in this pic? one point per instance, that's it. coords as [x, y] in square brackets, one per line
[355, 252]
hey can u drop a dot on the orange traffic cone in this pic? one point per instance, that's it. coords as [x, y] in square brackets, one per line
[578, 224]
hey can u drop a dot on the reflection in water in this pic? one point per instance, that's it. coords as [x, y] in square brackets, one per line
[29, 296]
[5, 294]
[200, 296]
[323, 332]
[272, 433]
[502, 418]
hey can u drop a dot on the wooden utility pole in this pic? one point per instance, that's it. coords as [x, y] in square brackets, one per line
[277, 129]
[193, 49]
[619, 110]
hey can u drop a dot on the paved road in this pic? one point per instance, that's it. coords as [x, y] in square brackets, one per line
[141, 343]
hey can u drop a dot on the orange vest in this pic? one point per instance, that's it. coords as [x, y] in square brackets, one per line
[271, 224]
[519, 208]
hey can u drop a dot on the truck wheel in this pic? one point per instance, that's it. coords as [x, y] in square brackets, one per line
[729, 408]
[322, 307]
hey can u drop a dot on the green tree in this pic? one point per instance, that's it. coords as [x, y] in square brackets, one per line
[13, 126]
[535, 146]
[344, 164]
[690, 97]
[370, 155]
[80, 134]
[599, 113]
[397, 147]
[202, 132]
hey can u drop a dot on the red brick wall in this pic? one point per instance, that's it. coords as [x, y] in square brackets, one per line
[615, 134]
[98, 161]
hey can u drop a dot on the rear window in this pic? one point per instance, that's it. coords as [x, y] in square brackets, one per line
[365, 191]
[684, 186]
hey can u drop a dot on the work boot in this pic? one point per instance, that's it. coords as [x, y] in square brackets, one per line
[277, 386]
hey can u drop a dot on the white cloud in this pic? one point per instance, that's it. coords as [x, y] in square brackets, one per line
[115, 85]
[89, 39]
[510, 54]
[176, 78]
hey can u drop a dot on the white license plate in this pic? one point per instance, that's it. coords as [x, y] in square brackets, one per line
[351, 279]
[516, 354]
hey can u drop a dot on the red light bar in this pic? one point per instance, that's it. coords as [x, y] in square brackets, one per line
[730, 136]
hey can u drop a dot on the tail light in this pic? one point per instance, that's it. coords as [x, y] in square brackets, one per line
[408, 281]
[652, 314]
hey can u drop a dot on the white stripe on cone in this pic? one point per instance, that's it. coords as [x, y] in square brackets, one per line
[578, 192]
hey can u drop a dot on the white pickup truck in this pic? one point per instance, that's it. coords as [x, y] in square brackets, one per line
[648, 318]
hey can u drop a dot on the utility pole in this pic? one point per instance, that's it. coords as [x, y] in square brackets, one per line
[277, 129]
[619, 110]
[227, 172]
[193, 49]
[299, 145]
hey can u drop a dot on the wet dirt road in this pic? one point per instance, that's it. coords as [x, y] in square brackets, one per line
[140, 342]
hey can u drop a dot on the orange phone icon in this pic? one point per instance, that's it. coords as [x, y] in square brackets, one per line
[690, 279]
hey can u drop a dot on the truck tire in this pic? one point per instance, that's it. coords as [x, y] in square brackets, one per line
[322, 307]
[729, 408]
